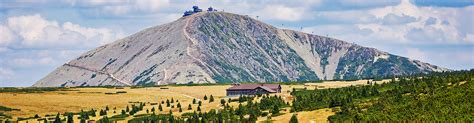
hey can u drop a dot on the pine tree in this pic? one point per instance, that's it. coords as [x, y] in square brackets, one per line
[275, 110]
[199, 108]
[293, 119]
[172, 100]
[205, 97]
[57, 119]
[178, 105]
[180, 110]
[105, 119]
[199, 103]
[86, 115]
[123, 112]
[194, 101]
[223, 102]
[101, 113]
[153, 109]
[168, 103]
[211, 99]
[127, 109]
[93, 112]
[160, 108]
[70, 119]
[189, 107]
[241, 98]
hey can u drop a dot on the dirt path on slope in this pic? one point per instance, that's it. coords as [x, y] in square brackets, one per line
[100, 72]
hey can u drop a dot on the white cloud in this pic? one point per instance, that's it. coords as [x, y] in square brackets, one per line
[368, 2]
[417, 54]
[34, 31]
[281, 12]
[151, 5]
[5, 73]
[453, 58]
[29, 62]
[392, 19]
[128, 7]
[469, 38]
[6, 35]
[3, 49]
[404, 23]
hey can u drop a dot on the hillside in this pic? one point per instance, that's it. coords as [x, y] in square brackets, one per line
[210, 47]
[433, 97]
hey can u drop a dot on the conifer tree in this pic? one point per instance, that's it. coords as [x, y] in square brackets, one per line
[211, 99]
[223, 102]
[57, 119]
[70, 119]
[275, 110]
[160, 108]
[123, 112]
[293, 119]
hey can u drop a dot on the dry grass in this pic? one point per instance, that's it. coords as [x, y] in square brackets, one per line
[87, 98]
[316, 116]
[339, 84]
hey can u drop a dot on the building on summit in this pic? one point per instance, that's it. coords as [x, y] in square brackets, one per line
[196, 9]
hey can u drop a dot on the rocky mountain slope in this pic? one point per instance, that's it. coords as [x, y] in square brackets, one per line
[210, 47]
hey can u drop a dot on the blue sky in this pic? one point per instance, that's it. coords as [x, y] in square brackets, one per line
[36, 36]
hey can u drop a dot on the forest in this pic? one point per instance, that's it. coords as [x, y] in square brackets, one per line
[434, 97]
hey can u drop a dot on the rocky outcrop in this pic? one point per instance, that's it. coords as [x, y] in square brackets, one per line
[210, 47]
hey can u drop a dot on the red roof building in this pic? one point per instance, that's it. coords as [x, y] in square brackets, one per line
[252, 89]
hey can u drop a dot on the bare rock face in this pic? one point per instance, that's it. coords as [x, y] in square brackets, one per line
[210, 47]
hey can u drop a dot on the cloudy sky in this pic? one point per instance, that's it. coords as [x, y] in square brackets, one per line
[36, 36]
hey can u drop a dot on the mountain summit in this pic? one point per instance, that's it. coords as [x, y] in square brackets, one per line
[210, 47]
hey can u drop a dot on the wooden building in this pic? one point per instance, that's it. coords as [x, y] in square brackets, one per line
[253, 89]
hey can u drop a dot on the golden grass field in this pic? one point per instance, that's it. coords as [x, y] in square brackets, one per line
[75, 99]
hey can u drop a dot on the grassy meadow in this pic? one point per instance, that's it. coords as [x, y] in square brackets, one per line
[48, 102]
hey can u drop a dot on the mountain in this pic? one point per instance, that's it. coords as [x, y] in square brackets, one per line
[210, 47]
